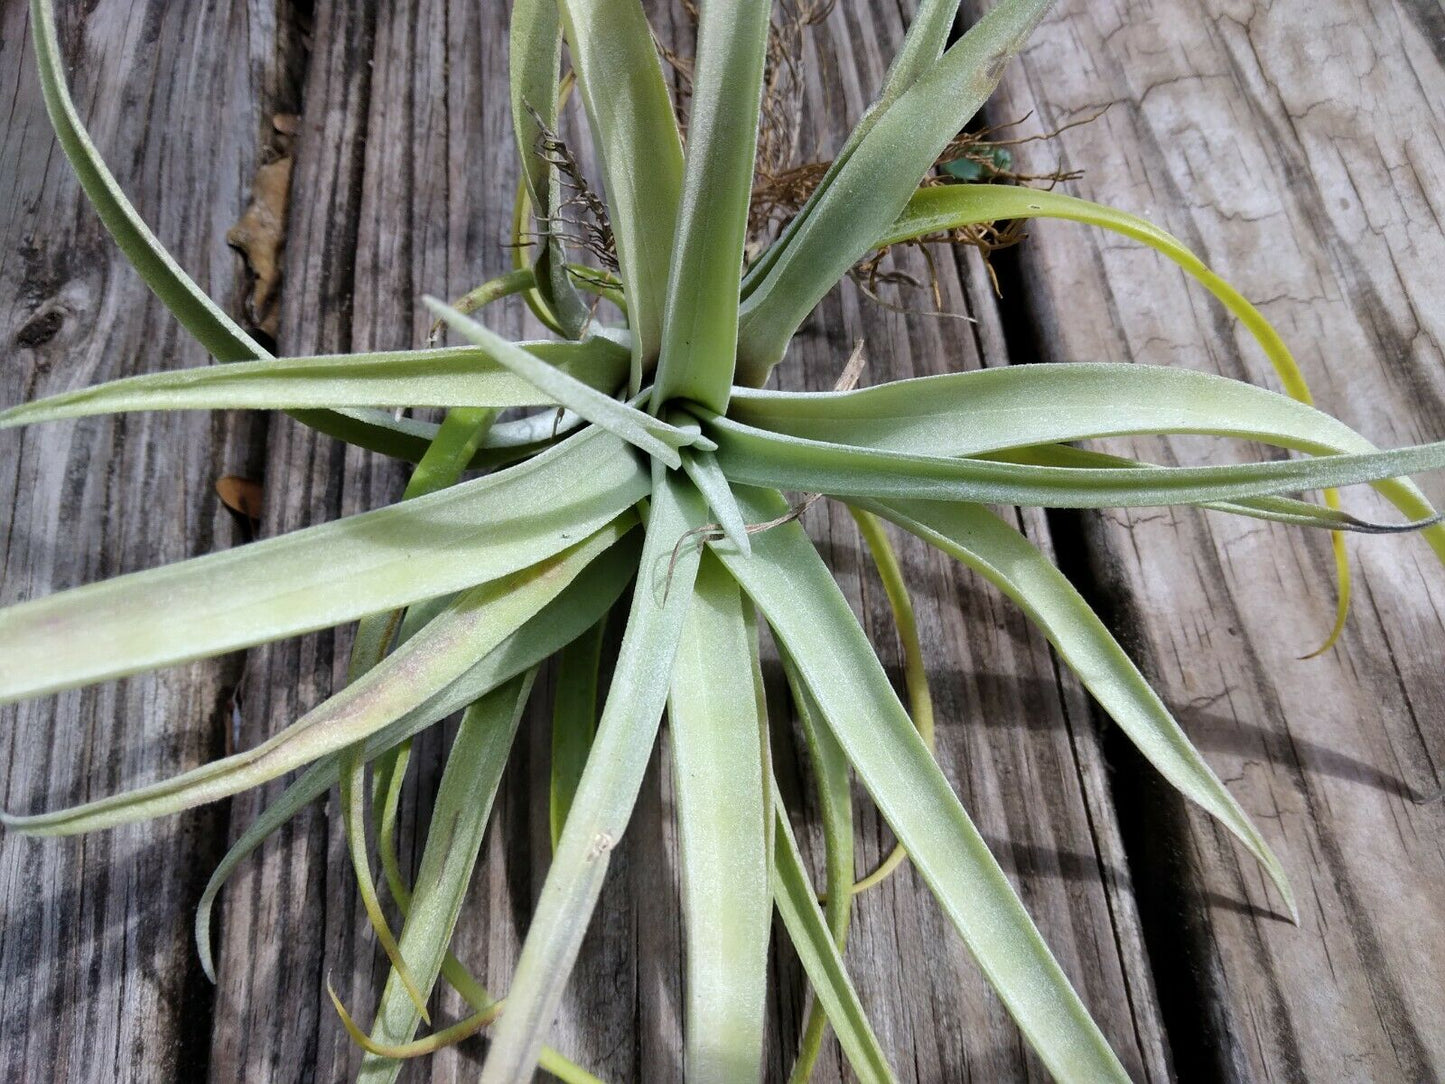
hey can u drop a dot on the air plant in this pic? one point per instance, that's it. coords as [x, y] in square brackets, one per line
[647, 472]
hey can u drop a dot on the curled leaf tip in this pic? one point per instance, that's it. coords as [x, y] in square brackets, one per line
[1364, 526]
[346, 1020]
[1342, 596]
[352, 785]
[203, 948]
[890, 571]
[429, 1044]
[1275, 869]
[1341, 615]
[1293, 908]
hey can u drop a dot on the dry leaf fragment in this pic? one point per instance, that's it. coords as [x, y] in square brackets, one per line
[260, 236]
[240, 495]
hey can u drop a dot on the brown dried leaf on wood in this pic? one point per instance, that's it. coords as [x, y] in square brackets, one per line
[260, 236]
[241, 495]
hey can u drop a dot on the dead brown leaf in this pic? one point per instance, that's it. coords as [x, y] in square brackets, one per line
[241, 495]
[260, 236]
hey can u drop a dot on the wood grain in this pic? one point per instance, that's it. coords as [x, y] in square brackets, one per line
[1299, 151]
[98, 980]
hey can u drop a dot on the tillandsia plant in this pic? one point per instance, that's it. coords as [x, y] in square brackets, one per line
[645, 472]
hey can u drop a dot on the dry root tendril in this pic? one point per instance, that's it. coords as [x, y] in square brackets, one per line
[781, 188]
[589, 229]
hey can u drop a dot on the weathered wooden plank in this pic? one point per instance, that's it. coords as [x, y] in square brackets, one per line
[98, 980]
[1297, 146]
[276, 922]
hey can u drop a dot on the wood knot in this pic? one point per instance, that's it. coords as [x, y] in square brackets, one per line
[40, 328]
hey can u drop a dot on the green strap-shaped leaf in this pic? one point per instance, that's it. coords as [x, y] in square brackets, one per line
[835, 806]
[518, 281]
[1007, 559]
[1287, 510]
[923, 44]
[755, 457]
[990, 410]
[408, 439]
[1008, 407]
[700, 324]
[201, 316]
[388, 775]
[534, 56]
[608, 791]
[321, 576]
[574, 720]
[452, 969]
[454, 838]
[951, 206]
[702, 468]
[457, 439]
[377, 430]
[718, 726]
[796, 595]
[211, 326]
[580, 605]
[620, 76]
[419, 671]
[813, 940]
[520, 244]
[464, 376]
[650, 434]
[874, 184]
[461, 433]
[915, 669]
[353, 815]
[947, 207]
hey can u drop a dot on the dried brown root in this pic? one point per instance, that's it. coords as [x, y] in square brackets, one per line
[581, 221]
[781, 188]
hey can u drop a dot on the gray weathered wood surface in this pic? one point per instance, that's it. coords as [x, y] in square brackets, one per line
[100, 980]
[1299, 150]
